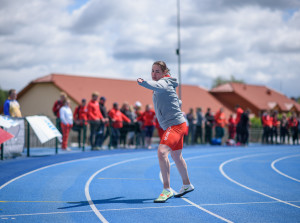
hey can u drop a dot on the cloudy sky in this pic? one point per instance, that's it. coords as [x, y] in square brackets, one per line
[257, 41]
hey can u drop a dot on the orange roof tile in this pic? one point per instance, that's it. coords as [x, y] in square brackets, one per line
[260, 96]
[115, 90]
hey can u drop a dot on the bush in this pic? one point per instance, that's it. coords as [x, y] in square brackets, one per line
[255, 122]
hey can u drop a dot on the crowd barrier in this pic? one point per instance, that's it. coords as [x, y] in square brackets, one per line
[26, 137]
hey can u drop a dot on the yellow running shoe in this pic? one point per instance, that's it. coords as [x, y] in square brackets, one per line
[164, 196]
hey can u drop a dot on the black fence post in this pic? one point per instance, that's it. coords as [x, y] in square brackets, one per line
[2, 152]
[28, 139]
[2, 148]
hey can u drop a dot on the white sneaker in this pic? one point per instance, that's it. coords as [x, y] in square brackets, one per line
[184, 190]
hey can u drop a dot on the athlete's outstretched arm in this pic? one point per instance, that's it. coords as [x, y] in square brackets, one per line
[160, 85]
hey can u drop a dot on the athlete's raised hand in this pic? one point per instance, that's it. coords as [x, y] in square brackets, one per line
[140, 80]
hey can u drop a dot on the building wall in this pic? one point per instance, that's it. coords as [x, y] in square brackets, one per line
[230, 100]
[39, 100]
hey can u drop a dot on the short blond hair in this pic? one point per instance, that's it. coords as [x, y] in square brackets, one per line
[95, 93]
[63, 94]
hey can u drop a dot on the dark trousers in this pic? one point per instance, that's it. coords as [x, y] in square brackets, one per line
[239, 133]
[266, 134]
[123, 134]
[139, 135]
[100, 135]
[208, 134]
[283, 133]
[219, 132]
[295, 136]
[198, 134]
[273, 134]
[94, 133]
[244, 135]
[115, 135]
[81, 132]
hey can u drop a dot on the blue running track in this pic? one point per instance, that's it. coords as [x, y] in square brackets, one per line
[232, 184]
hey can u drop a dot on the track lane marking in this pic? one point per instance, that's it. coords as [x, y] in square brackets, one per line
[246, 187]
[281, 173]
[87, 185]
[145, 208]
[52, 165]
[124, 179]
[192, 203]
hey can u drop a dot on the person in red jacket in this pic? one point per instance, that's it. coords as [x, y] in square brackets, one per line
[220, 122]
[149, 124]
[94, 117]
[57, 106]
[80, 121]
[293, 123]
[231, 127]
[274, 128]
[267, 127]
[284, 129]
[117, 118]
[139, 125]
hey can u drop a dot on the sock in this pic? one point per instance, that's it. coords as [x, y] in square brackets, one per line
[168, 189]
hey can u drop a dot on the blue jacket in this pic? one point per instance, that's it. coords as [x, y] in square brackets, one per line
[6, 107]
[166, 102]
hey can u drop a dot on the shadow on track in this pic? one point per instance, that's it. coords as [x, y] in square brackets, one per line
[115, 200]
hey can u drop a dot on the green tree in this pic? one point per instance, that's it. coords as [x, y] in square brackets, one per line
[220, 80]
[3, 97]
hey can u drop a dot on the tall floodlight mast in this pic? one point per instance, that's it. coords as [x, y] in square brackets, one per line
[178, 47]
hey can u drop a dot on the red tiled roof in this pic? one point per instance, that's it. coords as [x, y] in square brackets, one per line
[260, 96]
[115, 90]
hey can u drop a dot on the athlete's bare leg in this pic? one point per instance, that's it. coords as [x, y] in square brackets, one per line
[181, 166]
[164, 163]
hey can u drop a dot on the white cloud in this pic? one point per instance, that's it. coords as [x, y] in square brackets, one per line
[257, 41]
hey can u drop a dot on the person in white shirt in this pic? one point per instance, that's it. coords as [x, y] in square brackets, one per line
[66, 118]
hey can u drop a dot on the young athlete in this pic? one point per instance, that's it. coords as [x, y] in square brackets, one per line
[170, 118]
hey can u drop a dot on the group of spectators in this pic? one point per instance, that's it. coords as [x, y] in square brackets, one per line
[287, 126]
[275, 130]
[133, 126]
[128, 126]
[238, 127]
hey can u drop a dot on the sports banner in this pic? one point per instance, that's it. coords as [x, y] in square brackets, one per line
[14, 146]
[43, 128]
[4, 136]
[7, 122]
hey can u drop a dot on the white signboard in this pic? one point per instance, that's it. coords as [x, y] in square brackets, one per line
[15, 146]
[7, 122]
[43, 128]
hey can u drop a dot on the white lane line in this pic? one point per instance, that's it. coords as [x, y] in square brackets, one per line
[221, 169]
[281, 173]
[87, 185]
[192, 203]
[144, 208]
[137, 179]
[52, 165]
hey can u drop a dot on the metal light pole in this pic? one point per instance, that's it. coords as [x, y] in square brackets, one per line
[178, 48]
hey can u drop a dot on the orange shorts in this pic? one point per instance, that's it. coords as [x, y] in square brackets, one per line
[173, 136]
